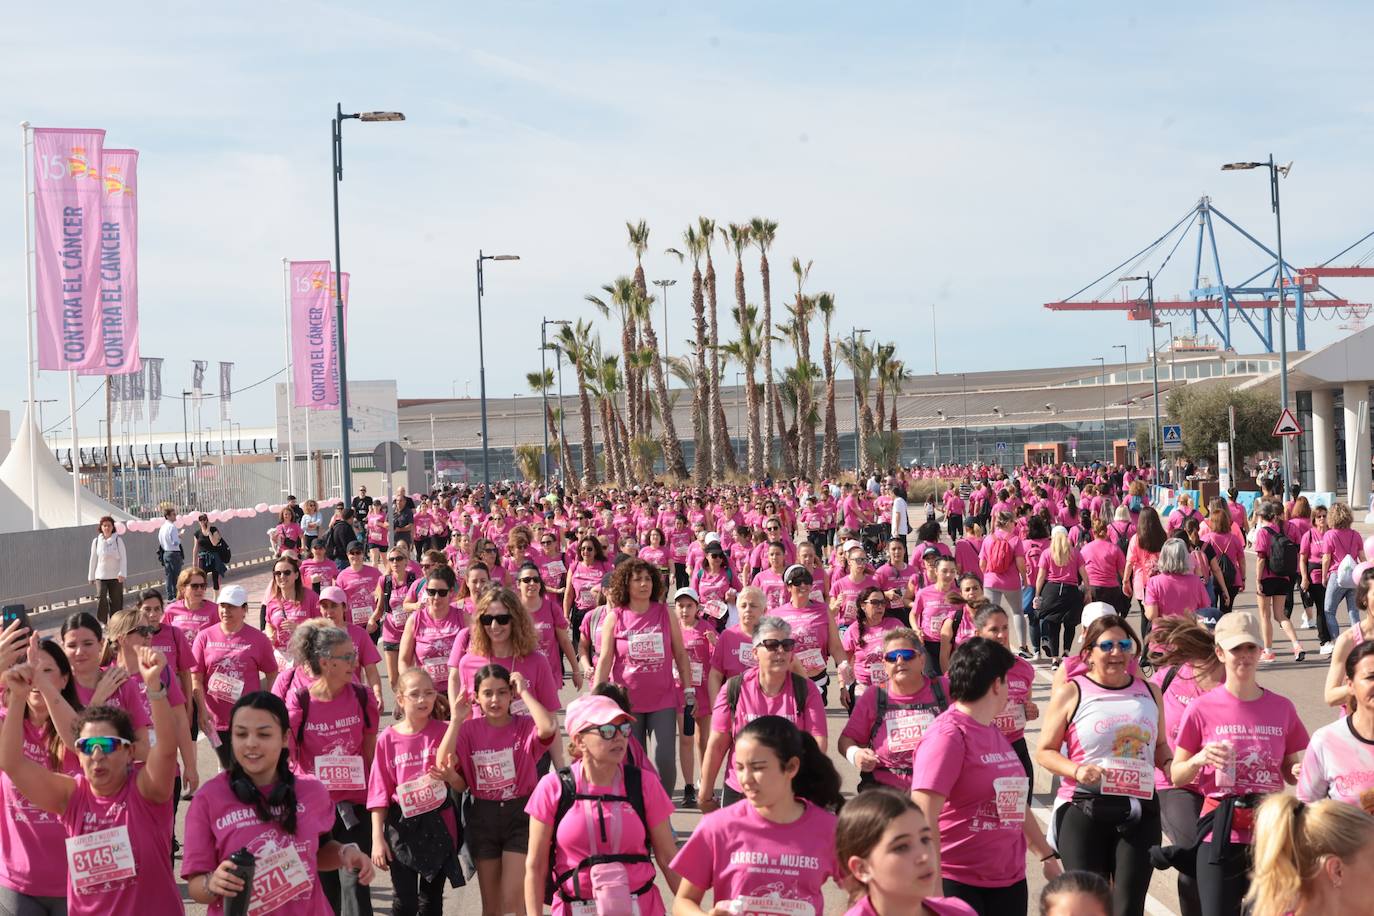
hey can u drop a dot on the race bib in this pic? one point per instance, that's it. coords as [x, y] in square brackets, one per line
[362, 613]
[680, 551]
[1011, 799]
[554, 570]
[279, 878]
[816, 596]
[715, 608]
[1012, 718]
[437, 669]
[1129, 776]
[877, 673]
[698, 673]
[585, 598]
[811, 658]
[341, 772]
[906, 727]
[494, 770]
[420, 795]
[225, 687]
[646, 649]
[518, 707]
[398, 616]
[746, 655]
[774, 906]
[98, 858]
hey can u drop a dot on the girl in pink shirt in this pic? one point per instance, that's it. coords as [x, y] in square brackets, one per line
[547, 614]
[117, 814]
[281, 817]
[496, 754]
[770, 578]
[1105, 566]
[864, 641]
[82, 641]
[774, 850]
[889, 857]
[734, 651]
[231, 659]
[288, 603]
[933, 605]
[897, 576]
[694, 722]
[844, 591]
[433, 630]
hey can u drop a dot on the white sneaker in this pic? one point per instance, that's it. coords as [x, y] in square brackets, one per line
[1327, 648]
[1305, 624]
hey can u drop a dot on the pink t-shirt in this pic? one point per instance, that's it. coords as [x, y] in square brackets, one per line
[770, 867]
[30, 837]
[1176, 594]
[1339, 543]
[148, 829]
[1007, 580]
[323, 572]
[172, 642]
[906, 720]
[753, 703]
[190, 621]
[498, 761]
[548, 620]
[361, 589]
[218, 825]
[1020, 679]
[866, 652]
[1105, 564]
[931, 609]
[700, 642]
[966, 555]
[811, 629]
[579, 833]
[974, 767]
[891, 578]
[281, 611]
[128, 698]
[847, 590]
[734, 653]
[434, 641]
[336, 727]
[643, 661]
[401, 758]
[1263, 732]
[774, 592]
[1264, 537]
[1066, 574]
[1183, 689]
[584, 579]
[532, 666]
[230, 665]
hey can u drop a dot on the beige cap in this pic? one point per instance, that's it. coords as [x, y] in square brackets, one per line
[1236, 629]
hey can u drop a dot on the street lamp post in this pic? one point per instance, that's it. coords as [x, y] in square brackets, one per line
[186, 434]
[1154, 367]
[336, 133]
[1126, 367]
[482, 361]
[663, 289]
[1274, 172]
[1102, 360]
[853, 349]
[544, 389]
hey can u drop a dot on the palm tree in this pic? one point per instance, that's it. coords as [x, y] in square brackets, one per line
[696, 245]
[642, 306]
[565, 463]
[830, 451]
[615, 438]
[883, 356]
[576, 343]
[540, 383]
[746, 349]
[634, 378]
[620, 298]
[859, 357]
[720, 442]
[762, 232]
[897, 376]
[801, 311]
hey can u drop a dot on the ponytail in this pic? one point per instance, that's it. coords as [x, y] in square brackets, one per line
[817, 780]
[1293, 842]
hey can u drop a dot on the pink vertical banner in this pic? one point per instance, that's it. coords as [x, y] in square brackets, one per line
[118, 340]
[315, 368]
[67, 205]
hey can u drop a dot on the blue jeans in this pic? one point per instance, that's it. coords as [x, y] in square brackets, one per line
[1334, 596]
[171, 565]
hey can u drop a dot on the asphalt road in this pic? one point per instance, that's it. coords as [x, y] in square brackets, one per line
[1301, 682]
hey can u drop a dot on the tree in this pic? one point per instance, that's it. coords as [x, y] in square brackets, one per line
[745, 348]
[1203, 411]
[897, 377]
[762, 232]
[622, 298]
[528, 459]
[830, 452]
[859, 357]
[540, 383]
[634, 376]
[575, 341]
[801, 311]
[673, 462]
[696, 246]
[720, 442]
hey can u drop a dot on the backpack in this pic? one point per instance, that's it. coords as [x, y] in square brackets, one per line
[1228, 567]
[1000, 555]
[567, 797]
[1283, 554]
[736, 684]
[303, 701]
[389, 584]
[1122, 537]
[1136, 504]
[941, 702]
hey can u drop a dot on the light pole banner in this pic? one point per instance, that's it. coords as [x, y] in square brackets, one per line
[198, 378]
[118, 341]
[224, 390]
[67, 200]
[314, 351]
[154, 364]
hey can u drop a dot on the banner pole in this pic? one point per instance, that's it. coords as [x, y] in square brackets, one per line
[309, 457]
[290, 380]
[31, 318]
[76, 451]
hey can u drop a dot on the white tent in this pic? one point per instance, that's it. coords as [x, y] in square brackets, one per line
[54, 489]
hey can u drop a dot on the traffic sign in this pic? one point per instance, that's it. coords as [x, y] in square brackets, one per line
[1130, 443]
[1073, 442]
[392, 451]
[1001, 446]
[1173, 437]
[1287, 425]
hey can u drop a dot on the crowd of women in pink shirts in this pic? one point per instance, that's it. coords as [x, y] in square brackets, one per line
[708, 633]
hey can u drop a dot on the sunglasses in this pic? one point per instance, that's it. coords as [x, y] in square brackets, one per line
[773, 645]
[396, 559]
[1125, 645]
[899, 655]
[488, 550]
[106, 744]
[350, 657]
[143, 630]
[528, 580]
[876, 602]
[436, 592]
[607, 732]
[200, 585]
[499, 620]
[279, 573]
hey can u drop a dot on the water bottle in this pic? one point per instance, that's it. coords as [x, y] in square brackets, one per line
[245, 863]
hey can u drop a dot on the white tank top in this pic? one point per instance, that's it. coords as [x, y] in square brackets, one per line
[1112, 725]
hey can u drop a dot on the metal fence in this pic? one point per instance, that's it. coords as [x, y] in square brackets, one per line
[41, 568]
[143, 490]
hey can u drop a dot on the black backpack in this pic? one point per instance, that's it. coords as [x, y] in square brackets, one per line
[736, 684]
[1227, 566]
[1283, 554]
[303, 701]
[1122, 537]
[567, 797]
[389, 584]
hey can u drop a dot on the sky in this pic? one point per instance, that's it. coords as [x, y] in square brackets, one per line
[981, 158]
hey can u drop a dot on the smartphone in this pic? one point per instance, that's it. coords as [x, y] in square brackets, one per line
[12, 612]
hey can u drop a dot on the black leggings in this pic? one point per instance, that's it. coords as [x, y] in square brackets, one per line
[1061, 607]
[413, 895]
[1179, 811]
[1221, 887]
[1121, 858]
[990, 901]
[1317, 592]
[341, 881]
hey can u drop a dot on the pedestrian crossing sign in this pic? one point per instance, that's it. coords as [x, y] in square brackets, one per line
[1173, 437]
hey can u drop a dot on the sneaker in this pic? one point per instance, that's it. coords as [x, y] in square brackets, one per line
[1305, 624]
[689, 796]
[1327, 648]
[1025, 653]
[1268, 656]
[1298, 654]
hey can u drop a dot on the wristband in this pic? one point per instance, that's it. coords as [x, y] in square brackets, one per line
[156, 694]
[1053, 855]
[852, 755]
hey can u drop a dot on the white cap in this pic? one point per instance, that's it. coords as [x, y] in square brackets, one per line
[1094, 610]
[232, 594]
[687, 592]
[849, 545]
[712, 538]
[1059, 529]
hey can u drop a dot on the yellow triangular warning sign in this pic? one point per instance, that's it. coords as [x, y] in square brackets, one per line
[1287, 425]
